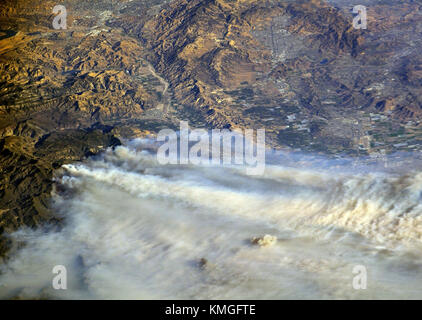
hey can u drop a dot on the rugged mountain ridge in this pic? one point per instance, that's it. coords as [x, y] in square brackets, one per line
[64, 95]
[235, 61]
[219, 51]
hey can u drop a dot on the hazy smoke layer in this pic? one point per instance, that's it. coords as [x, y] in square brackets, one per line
[138, 230]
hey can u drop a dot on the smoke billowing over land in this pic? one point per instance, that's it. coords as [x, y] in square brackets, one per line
[138, 230]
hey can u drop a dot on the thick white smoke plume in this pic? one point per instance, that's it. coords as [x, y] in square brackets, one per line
[135, 229]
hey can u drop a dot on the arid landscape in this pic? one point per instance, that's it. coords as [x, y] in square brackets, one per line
[127, 69]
